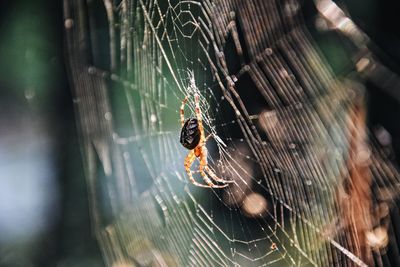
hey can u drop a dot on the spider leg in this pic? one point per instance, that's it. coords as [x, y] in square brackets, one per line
[209, 171]
[209, 182]
[199, 115]
[188, 163]
[203, 154]
[215, 177]
[182, 111]
[208, 137]
[203, 166]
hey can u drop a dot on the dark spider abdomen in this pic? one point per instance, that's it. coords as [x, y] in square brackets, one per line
[190, 134]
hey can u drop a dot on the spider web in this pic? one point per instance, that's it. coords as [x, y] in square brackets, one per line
[282, 126]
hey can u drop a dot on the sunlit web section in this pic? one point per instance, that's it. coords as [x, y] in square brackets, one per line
[281, 126]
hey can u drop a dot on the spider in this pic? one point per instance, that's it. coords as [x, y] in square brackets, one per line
[193, 138]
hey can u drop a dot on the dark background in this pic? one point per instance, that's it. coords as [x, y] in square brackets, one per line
[37, 118]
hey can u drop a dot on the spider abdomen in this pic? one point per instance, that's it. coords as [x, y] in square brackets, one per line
[190, 133]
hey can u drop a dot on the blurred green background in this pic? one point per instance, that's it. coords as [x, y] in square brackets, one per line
[44, 216]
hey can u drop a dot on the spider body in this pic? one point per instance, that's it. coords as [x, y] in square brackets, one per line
[190, 134]
[193, 138]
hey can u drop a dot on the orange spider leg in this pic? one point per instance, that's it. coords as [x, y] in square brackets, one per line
[188, 163]
[199, 117]
[208, 137]
[204, 167]
[182, 111]
[208, 181]
[215, 177]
